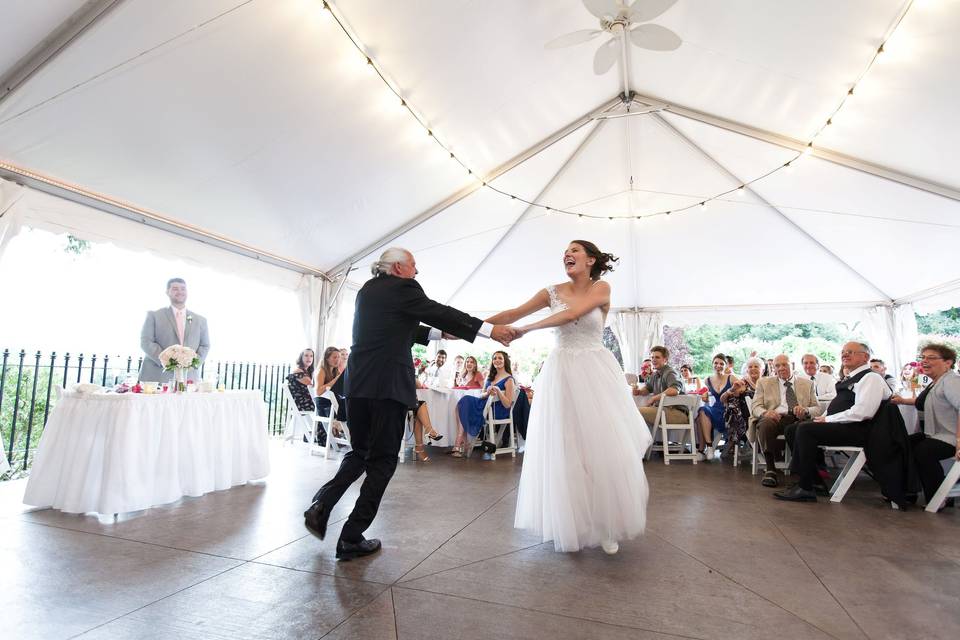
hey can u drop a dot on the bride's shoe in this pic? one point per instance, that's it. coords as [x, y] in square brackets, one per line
[610, 547]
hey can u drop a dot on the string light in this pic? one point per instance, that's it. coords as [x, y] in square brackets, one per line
[702, 204]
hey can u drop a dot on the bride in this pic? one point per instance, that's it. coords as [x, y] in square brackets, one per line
[582, 482]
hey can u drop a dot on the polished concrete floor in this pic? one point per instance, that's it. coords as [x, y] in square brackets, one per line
[720, 559]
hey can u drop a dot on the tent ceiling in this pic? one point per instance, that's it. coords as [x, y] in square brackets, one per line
[260, 122]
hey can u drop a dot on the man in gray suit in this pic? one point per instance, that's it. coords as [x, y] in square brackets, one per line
[172, 325]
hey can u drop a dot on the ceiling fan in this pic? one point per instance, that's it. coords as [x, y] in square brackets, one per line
[622, 19]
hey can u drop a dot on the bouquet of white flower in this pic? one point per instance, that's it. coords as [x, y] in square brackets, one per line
[179, 357]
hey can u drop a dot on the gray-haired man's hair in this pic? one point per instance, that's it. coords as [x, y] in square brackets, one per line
[389, 258]
[812, 355]
[864, 347]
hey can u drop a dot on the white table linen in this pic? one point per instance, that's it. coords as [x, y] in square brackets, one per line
[115, 453]
[442, 405]
[4, 465]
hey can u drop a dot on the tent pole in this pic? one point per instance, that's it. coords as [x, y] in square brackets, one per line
[54, 44]
[929, 292]
[466, 191]
[526, 212]
[658, 118]
[798, 145]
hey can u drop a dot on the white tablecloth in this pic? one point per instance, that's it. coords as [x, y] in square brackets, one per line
[442, 405]
[113, 453]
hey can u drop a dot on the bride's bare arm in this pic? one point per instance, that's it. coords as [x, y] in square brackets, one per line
[597, 296]
[534, 304]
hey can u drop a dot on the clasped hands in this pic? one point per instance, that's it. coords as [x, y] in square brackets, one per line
[502, 333]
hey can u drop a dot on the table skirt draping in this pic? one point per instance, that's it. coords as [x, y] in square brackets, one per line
[442, 405]
[114, 453]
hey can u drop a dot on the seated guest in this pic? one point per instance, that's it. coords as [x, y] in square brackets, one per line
[646, 370]
[421, 424]
[880, 367]
[780, 401]
[457, 371]
[330, 378]
[690, 382]
[710, 417]
[439, 374]
[728, 370]
[940, 403]
[736, 413]
[823, 383]
[847, 422]
[663, 381]
[300, 380]
[471, 378]
[501, 386]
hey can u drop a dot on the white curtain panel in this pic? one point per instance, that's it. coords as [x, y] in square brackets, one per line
[310, 297]
[12, 207]
[892, 334]
[332, 305]
[636, 331]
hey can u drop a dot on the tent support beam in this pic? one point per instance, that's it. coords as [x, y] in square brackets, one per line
[526, 212]
[466, 191]
[929, 292]
[54, 44]
[79, 195]
[660, 119]
[798, 145]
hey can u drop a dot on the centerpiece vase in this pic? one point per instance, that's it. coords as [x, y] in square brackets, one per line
[179, 380]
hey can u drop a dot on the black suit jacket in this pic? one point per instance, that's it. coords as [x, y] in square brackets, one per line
[386, 323]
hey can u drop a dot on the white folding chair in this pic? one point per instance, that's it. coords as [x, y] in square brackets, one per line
[736, 448]
[688, 429]
[298, 422]
[857, 458]
[493, 428]
[329, 422]
[949, 488]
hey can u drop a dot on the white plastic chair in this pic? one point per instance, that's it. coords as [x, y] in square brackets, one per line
[298, 422]
[949, 488]
[688, 428]
[328, 423]
[493, 428]
[857, 458]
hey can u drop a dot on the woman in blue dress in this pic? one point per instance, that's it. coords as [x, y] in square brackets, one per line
[710, 416]
[499, 384]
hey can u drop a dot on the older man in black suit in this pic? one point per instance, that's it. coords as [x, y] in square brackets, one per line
[380, 389]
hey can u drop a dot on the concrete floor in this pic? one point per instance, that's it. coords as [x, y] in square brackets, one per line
[720, 559]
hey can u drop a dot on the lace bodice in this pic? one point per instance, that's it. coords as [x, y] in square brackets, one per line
[584, 333]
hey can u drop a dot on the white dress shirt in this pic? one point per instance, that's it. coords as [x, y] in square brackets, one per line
[869, 393]
[485, 330]
[824, 384]
[783, 408]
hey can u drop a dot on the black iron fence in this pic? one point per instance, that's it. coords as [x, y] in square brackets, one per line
[27, 382]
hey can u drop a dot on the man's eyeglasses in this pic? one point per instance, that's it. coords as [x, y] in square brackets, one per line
[850, 353]
[931, 358]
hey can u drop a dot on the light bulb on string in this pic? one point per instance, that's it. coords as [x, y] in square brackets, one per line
[807, 150]
[740, 190]
[703, 206]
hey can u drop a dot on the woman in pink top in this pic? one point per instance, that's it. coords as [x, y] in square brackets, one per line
[470, 378]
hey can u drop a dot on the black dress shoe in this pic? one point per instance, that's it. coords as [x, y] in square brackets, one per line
[315, 519]
[821, 489]
[351, 550]
[796, 493]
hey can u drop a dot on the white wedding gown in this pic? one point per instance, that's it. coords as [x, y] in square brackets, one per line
[582, 481]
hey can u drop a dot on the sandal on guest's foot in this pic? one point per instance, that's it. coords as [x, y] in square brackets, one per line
[455, 452]
[435, 436]
[770, 479]
[419, 455]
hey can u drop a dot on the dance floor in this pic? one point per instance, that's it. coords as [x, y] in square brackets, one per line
[720, 559]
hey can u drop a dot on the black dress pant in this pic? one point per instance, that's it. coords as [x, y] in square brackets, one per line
[807, 436]
[376, 430]
[927, 454]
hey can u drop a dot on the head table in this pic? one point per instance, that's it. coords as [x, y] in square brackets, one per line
[442, 405]
[114, 453]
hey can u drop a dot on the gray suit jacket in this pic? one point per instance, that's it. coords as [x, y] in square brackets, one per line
[160, 331]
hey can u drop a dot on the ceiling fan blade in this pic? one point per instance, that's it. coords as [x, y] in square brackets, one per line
[601, 8]
[655, 37]
[647, 10]
[606, 55]
[570, 39]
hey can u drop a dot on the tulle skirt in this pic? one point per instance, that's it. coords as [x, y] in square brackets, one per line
[582, 481]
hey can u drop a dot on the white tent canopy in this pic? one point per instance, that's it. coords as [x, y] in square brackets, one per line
[259, 127]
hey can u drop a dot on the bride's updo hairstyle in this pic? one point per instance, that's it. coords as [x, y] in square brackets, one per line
[604, 261]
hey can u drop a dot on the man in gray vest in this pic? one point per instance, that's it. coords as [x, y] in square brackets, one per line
[168, 326]
[847, 422]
